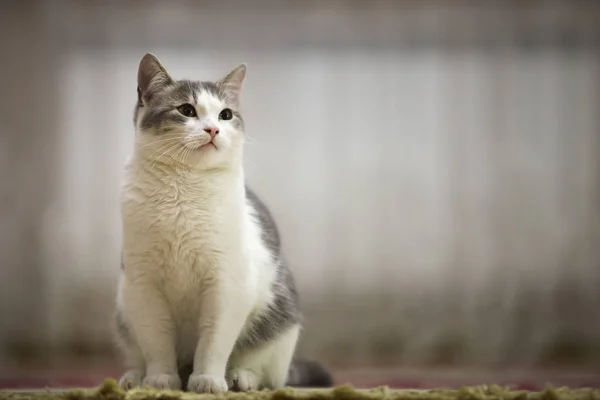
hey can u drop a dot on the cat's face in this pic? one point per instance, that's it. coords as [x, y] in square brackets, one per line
[188, 123]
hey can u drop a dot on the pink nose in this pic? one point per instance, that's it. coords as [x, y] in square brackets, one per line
[212, 131]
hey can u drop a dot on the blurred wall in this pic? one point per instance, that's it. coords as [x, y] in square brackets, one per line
[434, 168]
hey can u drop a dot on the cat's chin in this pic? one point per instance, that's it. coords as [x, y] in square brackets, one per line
[208, 146]
[208, 157]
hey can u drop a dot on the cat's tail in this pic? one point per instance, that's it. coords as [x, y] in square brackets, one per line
[306, 373]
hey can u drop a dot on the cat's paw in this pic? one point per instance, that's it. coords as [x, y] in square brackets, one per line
[131, 379]
[207, 384]
[242, 380]
[163, 381]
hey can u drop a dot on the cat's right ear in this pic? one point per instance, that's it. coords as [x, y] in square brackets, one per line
[152, 76]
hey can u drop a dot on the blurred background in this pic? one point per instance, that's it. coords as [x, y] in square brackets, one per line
[434, 167]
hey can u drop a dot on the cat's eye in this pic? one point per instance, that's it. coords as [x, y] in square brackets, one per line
[187, 109]
[226, 114]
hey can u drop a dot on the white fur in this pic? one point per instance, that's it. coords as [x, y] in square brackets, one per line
[269, 363]
[195, 264]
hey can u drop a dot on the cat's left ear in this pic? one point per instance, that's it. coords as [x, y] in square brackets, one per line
[152, 76]
[233, 83]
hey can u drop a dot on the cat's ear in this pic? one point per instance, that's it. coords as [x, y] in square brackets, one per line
[233, 82]
[152, 76]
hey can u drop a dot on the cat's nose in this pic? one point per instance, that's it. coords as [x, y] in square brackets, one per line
[212, 131]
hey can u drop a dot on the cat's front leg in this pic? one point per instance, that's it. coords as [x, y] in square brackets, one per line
[134, 359]
[225, 309]
[152, 323]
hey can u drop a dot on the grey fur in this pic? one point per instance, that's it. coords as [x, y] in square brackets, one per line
[161, 95]
[267, 222]
[161, 108]
[283, 312]
[280, 315]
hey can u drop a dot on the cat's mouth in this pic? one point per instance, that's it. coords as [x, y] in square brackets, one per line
[209, 145]
[203, 146]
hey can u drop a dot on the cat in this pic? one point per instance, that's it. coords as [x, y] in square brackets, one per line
[205, 301]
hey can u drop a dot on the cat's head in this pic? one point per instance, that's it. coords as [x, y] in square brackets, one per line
[189, 123]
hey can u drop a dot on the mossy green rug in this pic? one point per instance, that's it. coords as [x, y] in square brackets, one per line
[110, 391]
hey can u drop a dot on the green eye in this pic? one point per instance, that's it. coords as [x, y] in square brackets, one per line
[226, 114]
[188, 110]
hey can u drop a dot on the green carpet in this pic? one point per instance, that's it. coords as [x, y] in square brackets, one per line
[110, 391]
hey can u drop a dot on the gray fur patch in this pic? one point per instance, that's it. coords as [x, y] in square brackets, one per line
[283, 312]
[267, 222]
[161, 108]
[280, 315]
[237, 121]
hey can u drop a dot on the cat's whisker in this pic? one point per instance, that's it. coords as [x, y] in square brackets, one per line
[167, 147]
[155, 160]
[164, 153]
[186, 154]
[178, 152]
[162, 140]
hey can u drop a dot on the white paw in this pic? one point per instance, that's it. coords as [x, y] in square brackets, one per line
[131, 379]
[242, 380]
[163, 381]
[207, 384]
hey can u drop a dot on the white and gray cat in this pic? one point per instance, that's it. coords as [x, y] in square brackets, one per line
[205, 299]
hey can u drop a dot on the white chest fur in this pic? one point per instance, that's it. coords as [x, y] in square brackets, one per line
[182, 231]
